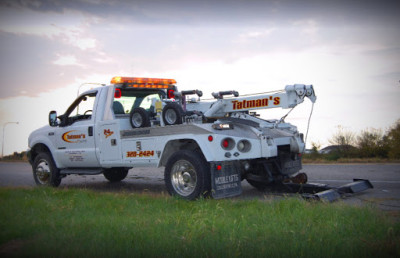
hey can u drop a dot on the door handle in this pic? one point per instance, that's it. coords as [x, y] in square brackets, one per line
[90, 131]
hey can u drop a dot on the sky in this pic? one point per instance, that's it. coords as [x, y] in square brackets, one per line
[349, 50]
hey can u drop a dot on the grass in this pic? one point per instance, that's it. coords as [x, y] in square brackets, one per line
[50, 222]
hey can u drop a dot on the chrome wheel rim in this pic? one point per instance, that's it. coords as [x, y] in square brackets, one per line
[43, 172]
[183, 177]
[170, 116]
[137, 120]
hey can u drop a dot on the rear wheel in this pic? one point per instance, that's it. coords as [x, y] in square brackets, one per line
[187, 175]
[45, 171]
[115, 174]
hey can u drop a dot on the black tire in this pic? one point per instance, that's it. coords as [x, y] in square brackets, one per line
[187, 175]
[45, 172]
[139, 117]
[115, 174]
[172, 114]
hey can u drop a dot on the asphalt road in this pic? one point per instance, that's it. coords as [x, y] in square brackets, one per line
[384, 177]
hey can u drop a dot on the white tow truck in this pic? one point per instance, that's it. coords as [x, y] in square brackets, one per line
[206, 147]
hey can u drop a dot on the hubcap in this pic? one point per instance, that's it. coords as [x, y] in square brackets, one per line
[137, 120]
[170, 116]
[183, 177]
[43, 172]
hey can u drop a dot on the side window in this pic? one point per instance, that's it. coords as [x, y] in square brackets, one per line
[85, 107]
[81, 109]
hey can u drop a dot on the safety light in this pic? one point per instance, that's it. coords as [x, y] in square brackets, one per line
[210, 138]
[221, 126]
[139, 80]
[117, 93]
[219, 167]
[227, 143]
[171, 94]
[145, 83]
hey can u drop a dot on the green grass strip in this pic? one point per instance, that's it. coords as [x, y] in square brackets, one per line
[79, 223]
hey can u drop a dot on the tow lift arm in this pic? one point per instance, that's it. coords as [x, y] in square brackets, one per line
[323, 192]
[289, 98]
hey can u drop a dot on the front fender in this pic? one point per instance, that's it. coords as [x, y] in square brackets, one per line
[40, 143]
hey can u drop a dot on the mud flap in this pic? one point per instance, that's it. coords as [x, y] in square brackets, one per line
[225, 180]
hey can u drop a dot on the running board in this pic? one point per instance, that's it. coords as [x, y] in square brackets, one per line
[81, 171]
[321, 192]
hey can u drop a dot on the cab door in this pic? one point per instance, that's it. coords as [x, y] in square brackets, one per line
[75, 138]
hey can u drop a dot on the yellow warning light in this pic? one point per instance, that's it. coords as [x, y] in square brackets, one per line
[138, 80]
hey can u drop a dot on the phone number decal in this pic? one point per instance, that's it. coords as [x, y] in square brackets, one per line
[139, 154]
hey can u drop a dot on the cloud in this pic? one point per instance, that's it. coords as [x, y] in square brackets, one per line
[255, 34]
[308, 27]
[67, 60]
[70, 27]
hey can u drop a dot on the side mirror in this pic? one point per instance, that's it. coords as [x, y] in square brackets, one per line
[53, 118]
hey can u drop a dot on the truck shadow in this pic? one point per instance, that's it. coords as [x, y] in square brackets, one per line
[131, 184]
[152, 185]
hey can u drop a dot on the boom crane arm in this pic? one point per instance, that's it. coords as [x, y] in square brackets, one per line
[289, 98]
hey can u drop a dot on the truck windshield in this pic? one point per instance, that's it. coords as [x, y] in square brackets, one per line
[131, 99]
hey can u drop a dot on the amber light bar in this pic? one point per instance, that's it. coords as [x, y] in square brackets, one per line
[139, 80]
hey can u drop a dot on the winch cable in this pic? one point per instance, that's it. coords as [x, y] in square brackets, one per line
[308, 127]
[282, 120]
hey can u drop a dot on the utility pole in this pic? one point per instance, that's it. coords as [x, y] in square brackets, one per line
[2, 143]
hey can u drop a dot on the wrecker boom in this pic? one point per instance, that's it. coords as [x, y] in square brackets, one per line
[289, 98]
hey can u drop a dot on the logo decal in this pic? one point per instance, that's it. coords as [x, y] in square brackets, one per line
[255, 103]
[108, 133]
[73, 138]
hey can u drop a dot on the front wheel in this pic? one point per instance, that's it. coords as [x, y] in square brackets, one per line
[115, 174]
[45, 172]
[187, 175]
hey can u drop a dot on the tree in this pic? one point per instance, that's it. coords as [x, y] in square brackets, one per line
[370, 144]
[392, 139]
[315, 147]
[344, 139]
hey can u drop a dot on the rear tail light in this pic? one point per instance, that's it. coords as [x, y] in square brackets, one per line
[171, 94]
[117, 93]
[227, 144]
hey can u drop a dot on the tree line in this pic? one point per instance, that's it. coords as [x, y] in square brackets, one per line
[369, 143]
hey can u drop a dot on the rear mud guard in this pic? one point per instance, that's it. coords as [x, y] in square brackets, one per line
[225, 180]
